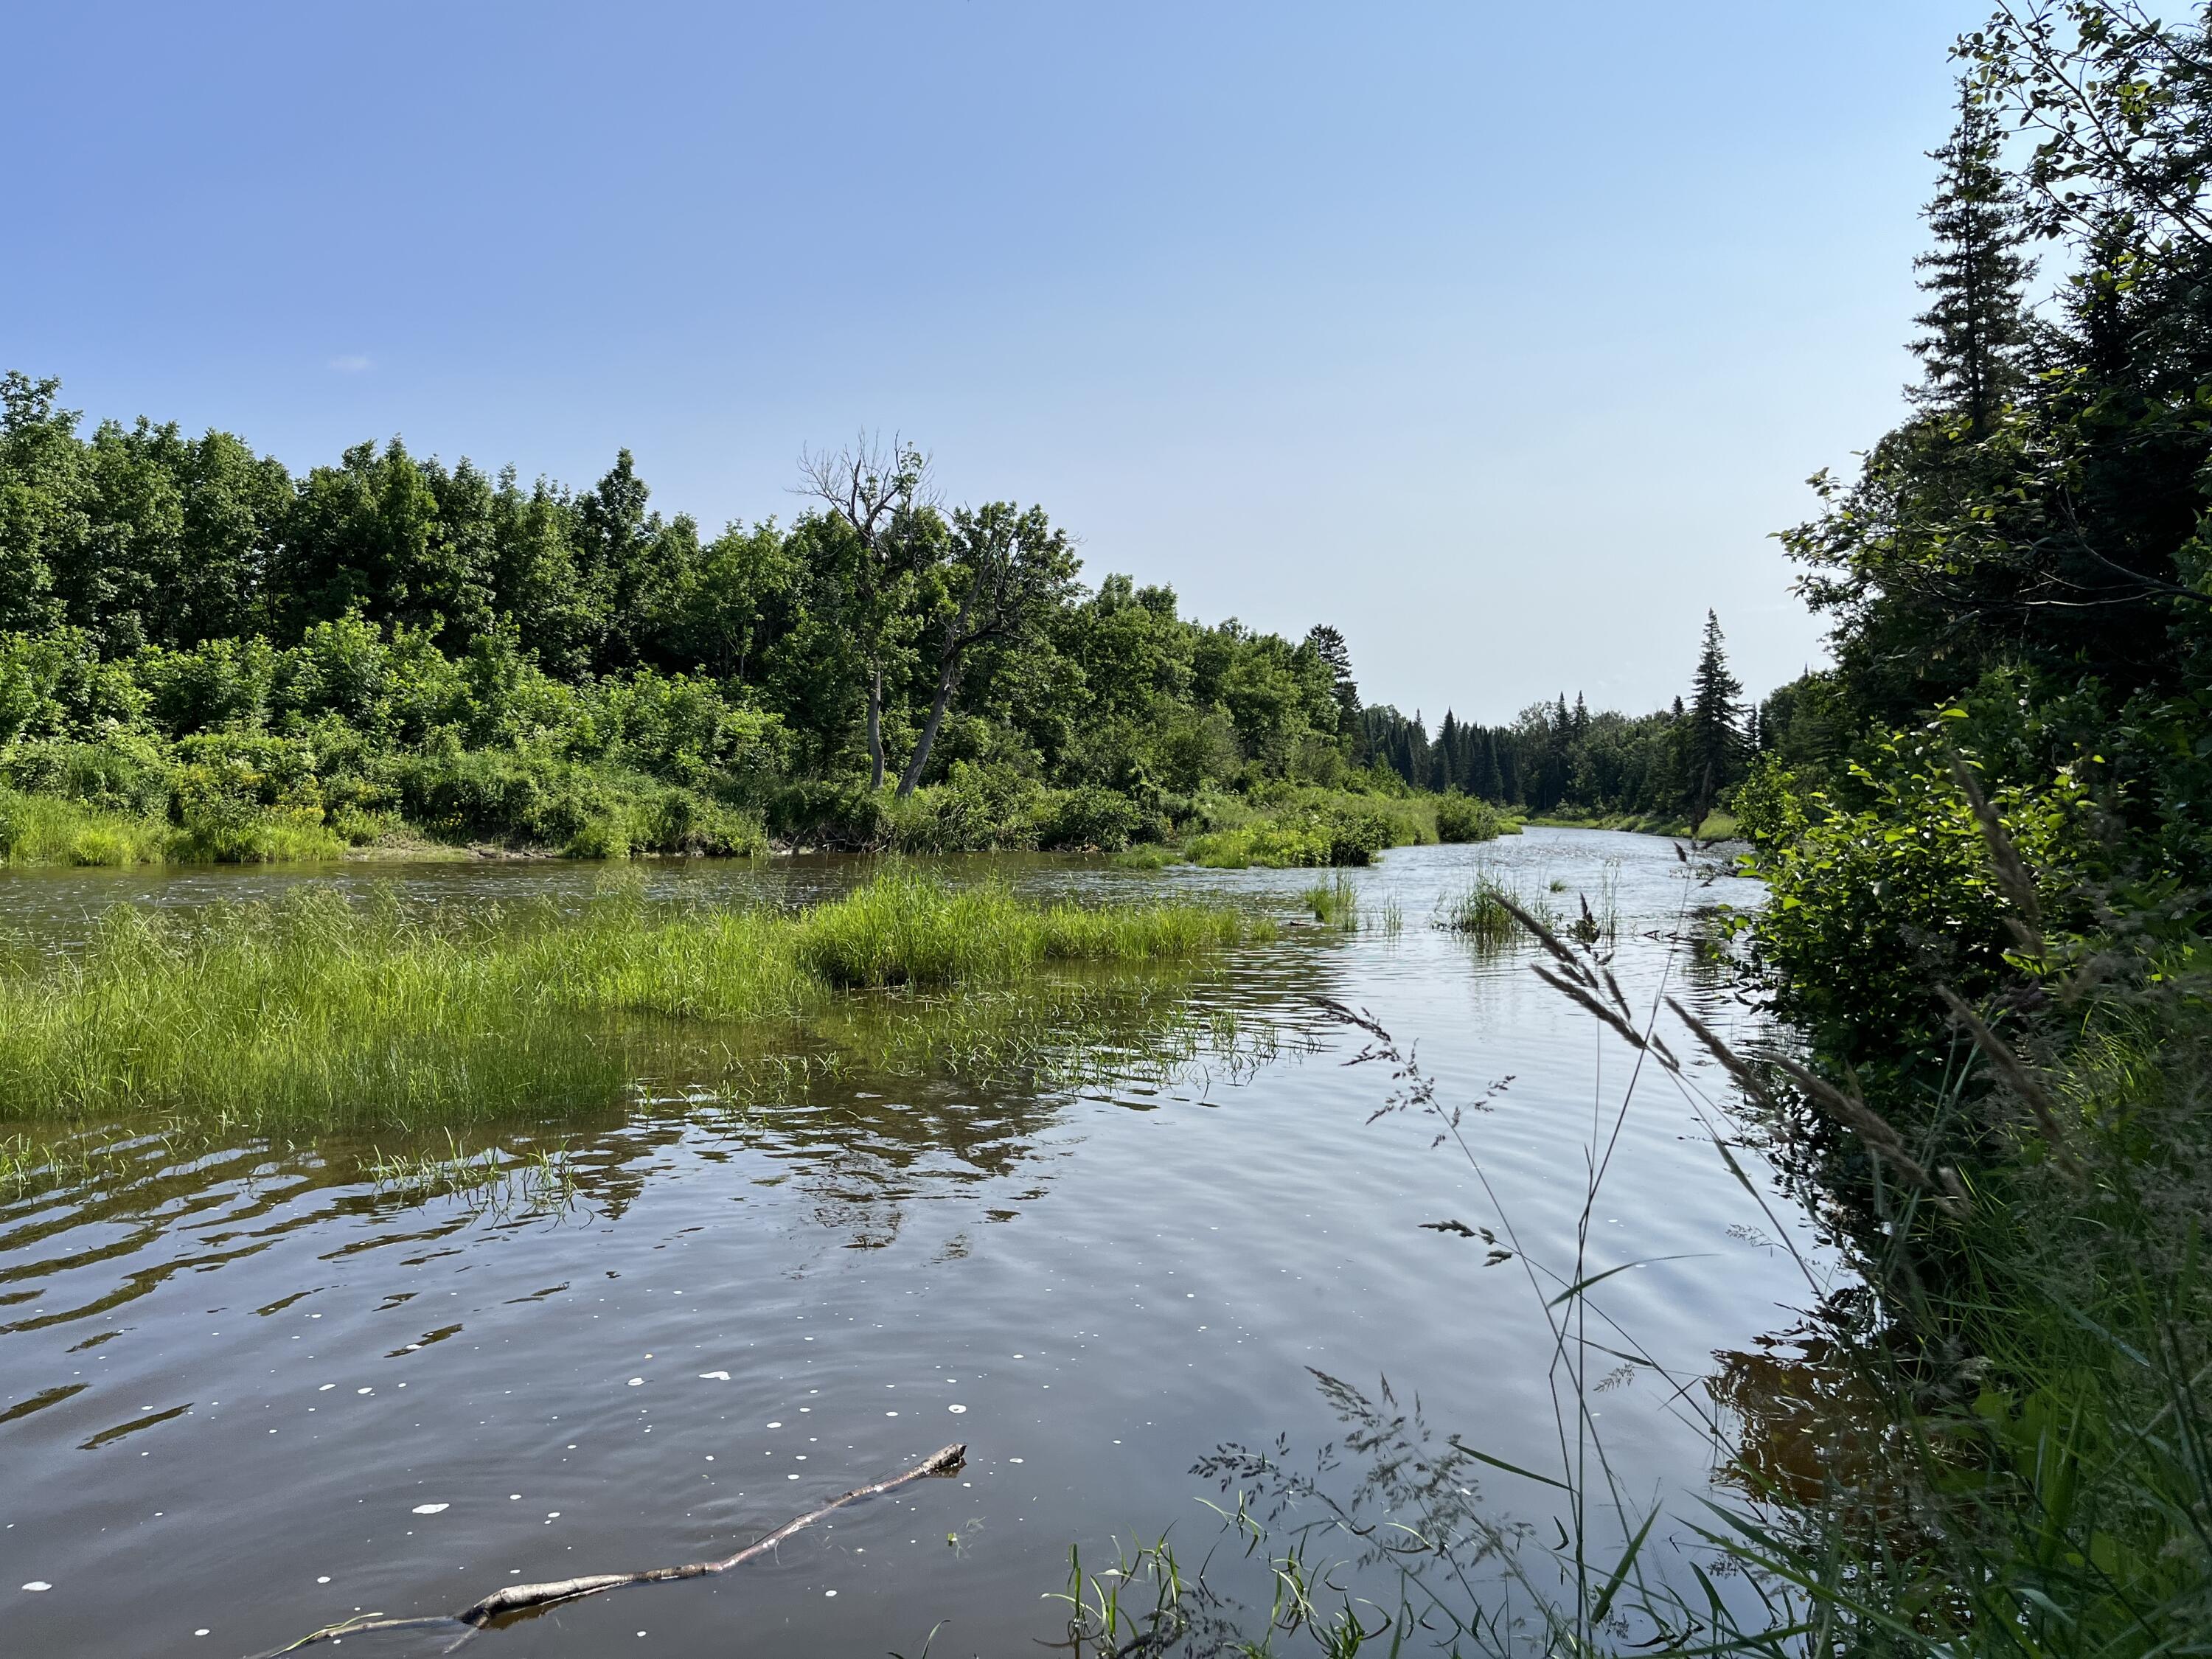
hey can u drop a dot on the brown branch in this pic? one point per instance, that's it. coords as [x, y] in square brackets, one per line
[514, 1598]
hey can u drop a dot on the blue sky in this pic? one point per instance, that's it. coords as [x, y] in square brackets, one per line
[1502, 337]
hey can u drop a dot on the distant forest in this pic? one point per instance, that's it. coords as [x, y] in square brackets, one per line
[1558, 757]
[191, 630]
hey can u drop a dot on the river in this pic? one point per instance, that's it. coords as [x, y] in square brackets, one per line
[247, 1394]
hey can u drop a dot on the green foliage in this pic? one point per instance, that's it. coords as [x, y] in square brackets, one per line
[1566, 763]
[1872, 905]
[1310, 828]
[313, 1011]
[1460, 818]
[472, 658]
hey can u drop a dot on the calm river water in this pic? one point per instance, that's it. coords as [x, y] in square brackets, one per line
[229, 1393]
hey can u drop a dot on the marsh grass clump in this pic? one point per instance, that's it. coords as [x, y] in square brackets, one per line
[1334, 904]
[1315, 830]
[312, 1012]
[1482, 913]
[37, 829]
[44, 829]
[910, 930]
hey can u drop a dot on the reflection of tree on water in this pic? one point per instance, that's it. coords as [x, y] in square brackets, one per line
[1803, 1420]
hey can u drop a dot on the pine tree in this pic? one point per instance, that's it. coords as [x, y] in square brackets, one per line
[1336, 656]
[1442, 756]
[1713, 748]
[1484, 779]
[1975, 321]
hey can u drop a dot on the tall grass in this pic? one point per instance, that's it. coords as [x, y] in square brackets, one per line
[38, 828]
[42, 830]
[1334, 904]
[311, 1012]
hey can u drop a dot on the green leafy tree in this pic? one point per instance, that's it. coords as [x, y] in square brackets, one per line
[44, 499]
[1004, 570]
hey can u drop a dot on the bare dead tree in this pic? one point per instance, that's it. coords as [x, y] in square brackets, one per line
[882, 497]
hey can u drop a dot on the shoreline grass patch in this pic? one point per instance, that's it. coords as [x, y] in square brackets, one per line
[315, 1012]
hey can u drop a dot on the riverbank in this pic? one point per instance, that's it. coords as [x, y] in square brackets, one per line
[1715, 826]
[1276, 827]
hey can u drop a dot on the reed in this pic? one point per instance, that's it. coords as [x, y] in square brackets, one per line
[1482, 912]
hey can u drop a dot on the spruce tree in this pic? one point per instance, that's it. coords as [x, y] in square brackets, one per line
[1975, 320]
[1336, 656]
[1712, 732]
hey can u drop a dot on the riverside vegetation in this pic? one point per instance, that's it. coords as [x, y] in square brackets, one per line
[204, 658]
[314, 1013]
[1986, 848]
[1982, 833]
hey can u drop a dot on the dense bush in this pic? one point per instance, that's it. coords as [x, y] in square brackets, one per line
[1872, 904]
[1463, 818]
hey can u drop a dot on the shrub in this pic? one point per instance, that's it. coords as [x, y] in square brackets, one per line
[1093, 817]
[1871, 906]
[54, 685]
[1462, 818]
[603, 835]
[684, 821]
[126, 774]
[828, 813]
[979, 808]
[526, 796]
[234, 833]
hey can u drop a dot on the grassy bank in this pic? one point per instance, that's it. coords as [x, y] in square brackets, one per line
[512, 804]
[1715, 826]
[45, 830]
[1314, 828]
[314, 1012]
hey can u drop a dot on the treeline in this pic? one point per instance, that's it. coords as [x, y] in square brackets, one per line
[397, 637]
[1678, 764]
[1987, 840]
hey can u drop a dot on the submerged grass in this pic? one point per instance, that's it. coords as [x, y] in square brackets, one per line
[313, 1013]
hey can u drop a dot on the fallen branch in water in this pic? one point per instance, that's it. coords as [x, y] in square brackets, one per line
[514, 1598]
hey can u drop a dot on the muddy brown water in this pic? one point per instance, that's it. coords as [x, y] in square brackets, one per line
[252, 1394]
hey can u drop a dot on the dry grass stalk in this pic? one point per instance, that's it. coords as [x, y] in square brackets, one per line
[2022, 1082]
[2011, 869]
[1881, 1139]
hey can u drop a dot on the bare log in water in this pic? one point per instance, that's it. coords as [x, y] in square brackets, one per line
[515, 1598]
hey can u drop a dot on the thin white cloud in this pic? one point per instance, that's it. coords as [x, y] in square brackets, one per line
[354, 363]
